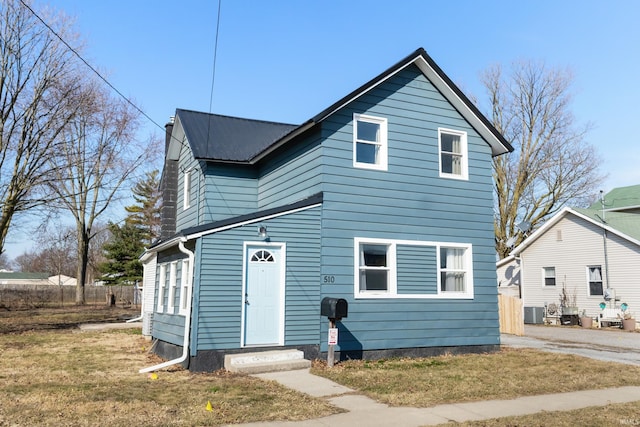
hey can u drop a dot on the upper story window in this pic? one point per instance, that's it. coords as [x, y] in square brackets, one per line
[549, 276]
[453, 154]
[595, 280]
[369, 142]
[186, 190]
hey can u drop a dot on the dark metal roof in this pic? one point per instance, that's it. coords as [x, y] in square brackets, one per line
[232, 139]
[224, 138]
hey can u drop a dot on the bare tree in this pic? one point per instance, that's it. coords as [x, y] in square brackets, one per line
[39, 80]
[99, 155]
[552, 164]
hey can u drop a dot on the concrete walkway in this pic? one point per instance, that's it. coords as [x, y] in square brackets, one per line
[615, 346]
[363, 411]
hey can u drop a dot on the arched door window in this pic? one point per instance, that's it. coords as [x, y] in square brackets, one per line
[262, 256]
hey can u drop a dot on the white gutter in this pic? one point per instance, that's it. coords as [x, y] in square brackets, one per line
[187, 320]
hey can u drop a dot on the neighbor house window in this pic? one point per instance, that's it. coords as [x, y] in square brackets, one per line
[186, 191]
[375, 267]
[369, 142]
[453, 153]
[172, 286]
[595, 280]
[162, 282]
[549, 276]
[184, 283]
[453, 269]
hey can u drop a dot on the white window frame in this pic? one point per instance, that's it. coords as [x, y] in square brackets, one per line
[392, 289]
[544, 277]
[173, 274]
[464, 154]
[589, 281]
[467, 268]
[186, 190]
[390, 268]
[383, 142]
[185, 284]
[162, 282]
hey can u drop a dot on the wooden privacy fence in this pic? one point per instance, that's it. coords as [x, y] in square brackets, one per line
[511, 315]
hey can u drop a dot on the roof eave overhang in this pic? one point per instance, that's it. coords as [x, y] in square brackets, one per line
[556, 218]
[499, 145]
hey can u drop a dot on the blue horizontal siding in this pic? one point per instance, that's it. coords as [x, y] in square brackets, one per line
[409, 201]
[416, 270]
[220, 281]
[293, 175]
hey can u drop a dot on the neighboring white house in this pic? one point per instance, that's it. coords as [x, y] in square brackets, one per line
[584, 252]
[62, 280]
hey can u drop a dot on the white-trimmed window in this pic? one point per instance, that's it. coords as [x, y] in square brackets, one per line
[548, 276]
[185, 285]
[594, 276]
[454, 269]
[172, 286]
[453, 153]
[375, 267]
[162, 283]
[369, 142]
[412, 269]
[186, 190]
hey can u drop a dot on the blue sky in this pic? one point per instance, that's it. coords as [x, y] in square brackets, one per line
[286, 61]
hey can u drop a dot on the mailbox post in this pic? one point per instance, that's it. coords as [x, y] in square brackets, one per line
[335, 309]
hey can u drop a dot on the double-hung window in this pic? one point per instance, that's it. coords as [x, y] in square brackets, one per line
[453, 153]
[172, 286]
[375, 267]
[595, 280]
[186, 190]
[549, 276]
[453, 269]
[162, 283]
[385, 268]
[369, 142]
[185, 293]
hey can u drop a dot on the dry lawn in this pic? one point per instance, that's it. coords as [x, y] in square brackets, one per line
[611, 415]
[52, 374]
[507, 374]
[61, 376]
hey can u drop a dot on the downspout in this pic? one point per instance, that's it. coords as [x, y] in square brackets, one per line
[136, 319]
[187, 320]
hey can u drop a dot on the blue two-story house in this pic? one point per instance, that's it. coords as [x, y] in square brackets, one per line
[384, 199]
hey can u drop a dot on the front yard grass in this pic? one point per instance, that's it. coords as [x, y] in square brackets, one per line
[506, 374]
[57, 375]
[52, 374]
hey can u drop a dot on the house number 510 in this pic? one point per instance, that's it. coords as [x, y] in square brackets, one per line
[328, 279]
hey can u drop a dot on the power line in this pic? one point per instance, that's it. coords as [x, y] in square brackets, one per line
[90, 67]
[215, 56]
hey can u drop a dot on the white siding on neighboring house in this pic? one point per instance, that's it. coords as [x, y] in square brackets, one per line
[570, 246]
[148, 289]
[508, 270]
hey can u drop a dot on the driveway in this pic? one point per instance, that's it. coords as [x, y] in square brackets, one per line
[608, 344]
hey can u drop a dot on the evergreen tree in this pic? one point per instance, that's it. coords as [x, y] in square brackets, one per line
[122, 251]
[145, 214]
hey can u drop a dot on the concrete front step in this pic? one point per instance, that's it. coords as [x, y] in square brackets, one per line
[266, 361]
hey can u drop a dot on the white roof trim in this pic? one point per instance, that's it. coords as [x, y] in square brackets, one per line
[556, 218]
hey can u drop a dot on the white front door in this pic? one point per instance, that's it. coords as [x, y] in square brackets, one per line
[263, 295]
